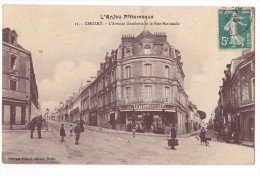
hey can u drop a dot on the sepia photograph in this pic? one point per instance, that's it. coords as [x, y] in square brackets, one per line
[123, 85]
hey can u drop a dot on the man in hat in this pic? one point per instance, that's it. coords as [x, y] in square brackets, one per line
[39, 129]
[173, 136]
[32, 128]
[77, 131]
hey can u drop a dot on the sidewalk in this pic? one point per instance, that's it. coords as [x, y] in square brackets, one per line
[247, 143]
[106, 130]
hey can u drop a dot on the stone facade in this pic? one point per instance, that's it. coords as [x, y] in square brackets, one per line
[20, 93]
[142, 83]
[236, 105]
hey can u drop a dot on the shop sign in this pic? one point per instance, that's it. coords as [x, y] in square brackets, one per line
[14, 94]
[147, 106]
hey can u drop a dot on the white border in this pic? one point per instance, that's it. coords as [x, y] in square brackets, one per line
[176, 170]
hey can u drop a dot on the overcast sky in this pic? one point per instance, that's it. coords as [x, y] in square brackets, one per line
[72, 54]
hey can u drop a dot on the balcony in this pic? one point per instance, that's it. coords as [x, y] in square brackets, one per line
[139, 100]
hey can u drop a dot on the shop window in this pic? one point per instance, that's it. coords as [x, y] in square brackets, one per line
[6, 115]
[18, 115]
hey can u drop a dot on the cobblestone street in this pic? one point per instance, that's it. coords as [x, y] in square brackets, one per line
[115, 148]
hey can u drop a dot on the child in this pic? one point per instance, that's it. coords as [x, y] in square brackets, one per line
[71, 129]
[133, 130]
[62, 132]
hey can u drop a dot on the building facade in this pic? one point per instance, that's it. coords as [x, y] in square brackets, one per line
[142, 83]
[236, 105]
[19, 88]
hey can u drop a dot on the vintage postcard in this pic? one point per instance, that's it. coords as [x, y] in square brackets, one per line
[118, 85]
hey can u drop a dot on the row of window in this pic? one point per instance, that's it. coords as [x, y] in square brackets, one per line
[104, 82]
[147, 71]
[147, 50]
[103, 100]
[147, 93]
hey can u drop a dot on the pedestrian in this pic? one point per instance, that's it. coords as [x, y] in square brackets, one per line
[32, 128]
[100, 127]
[173, 137]
[133, 129]
[39, 129]
[77, 131]
[62, 132]
[202, 135]
[71, 129]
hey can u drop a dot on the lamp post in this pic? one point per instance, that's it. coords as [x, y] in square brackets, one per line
[47, 111]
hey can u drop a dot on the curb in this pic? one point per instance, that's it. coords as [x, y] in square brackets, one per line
[106, 130]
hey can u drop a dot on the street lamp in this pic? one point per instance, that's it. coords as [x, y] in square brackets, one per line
[47, 111]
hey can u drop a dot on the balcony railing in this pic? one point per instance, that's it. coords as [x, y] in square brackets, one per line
[138, 100]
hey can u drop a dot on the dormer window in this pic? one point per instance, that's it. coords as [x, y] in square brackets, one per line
[127, 52]
[165, 51]
[147, 49]
[13, 40]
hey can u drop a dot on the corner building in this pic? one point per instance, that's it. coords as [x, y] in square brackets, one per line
[19, 89]
[143, 82]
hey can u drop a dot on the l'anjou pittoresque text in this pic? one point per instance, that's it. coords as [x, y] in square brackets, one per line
[112, 17]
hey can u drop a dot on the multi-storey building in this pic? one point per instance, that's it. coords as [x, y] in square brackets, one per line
[237, 96]
[142, 81]
[20, 93]
[194, 117]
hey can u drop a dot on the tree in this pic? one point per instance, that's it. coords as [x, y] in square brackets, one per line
[202, 114]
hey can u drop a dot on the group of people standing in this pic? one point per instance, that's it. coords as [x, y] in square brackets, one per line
[77, 131]
[38, 124]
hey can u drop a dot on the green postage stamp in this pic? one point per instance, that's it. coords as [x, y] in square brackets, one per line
[235, 28]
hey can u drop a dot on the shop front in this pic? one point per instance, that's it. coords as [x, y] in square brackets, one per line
[93, 118]
[14, 115]
[247, 124]
[148, 118]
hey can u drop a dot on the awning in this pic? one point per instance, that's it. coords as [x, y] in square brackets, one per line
[35, 111]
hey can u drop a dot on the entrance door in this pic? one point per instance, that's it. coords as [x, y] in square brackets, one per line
[113, 121]
[148, 120]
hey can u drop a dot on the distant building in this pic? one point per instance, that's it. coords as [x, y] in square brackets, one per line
[141, 82]
[20, 93]
[194, 117]
[236, 105]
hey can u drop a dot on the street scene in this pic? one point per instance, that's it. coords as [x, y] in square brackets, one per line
[128, 86]
[113, 147]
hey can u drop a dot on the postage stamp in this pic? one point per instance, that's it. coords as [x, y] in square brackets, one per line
[235, 28]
